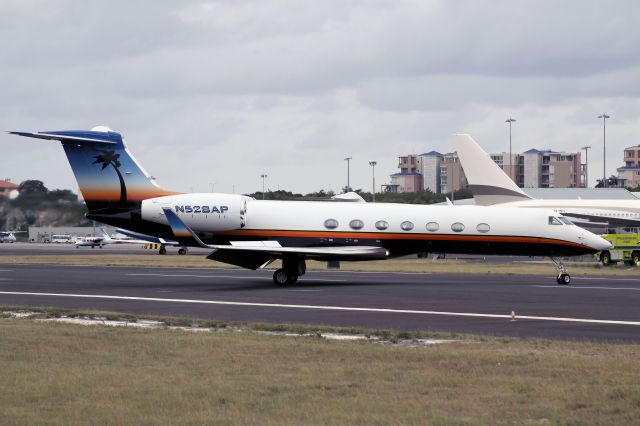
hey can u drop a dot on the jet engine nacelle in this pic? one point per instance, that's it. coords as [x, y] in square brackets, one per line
[201, 212]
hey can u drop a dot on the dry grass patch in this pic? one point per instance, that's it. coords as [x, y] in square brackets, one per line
[57, 373]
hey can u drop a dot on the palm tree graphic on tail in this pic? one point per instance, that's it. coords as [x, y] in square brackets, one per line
[110, 158]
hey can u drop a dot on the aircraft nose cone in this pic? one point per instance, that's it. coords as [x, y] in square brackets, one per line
[600, 243]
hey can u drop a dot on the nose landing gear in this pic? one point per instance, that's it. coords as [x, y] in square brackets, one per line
[563, 278]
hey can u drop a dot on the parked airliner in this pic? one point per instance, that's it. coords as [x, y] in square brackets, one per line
[490, 185]
[251, 233]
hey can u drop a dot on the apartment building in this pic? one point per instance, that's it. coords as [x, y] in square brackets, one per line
[442, 173]
[629, 174]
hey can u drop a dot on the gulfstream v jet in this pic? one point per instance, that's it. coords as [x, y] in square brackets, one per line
[251, 233]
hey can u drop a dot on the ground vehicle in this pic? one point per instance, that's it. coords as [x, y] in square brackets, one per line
[61, 238]
[626, 248]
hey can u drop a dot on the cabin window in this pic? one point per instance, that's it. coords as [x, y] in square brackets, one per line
[433, 226]
[406, 225]
[565, 220]
[356, 224]
[483, 227]
[457, 227]
[331, 224]
[382, 225]
[554, 221]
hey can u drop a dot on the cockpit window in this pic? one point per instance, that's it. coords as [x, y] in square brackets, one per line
[565, 220]
[554, 221]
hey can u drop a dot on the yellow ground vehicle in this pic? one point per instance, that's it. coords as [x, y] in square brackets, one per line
[626, 248]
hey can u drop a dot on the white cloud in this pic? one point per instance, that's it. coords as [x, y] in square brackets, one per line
[222, 91]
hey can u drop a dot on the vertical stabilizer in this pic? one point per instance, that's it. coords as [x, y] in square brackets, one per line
[487, 181]
[108, 175]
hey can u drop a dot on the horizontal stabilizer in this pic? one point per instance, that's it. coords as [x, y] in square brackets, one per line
[487, 181]
[75, 136]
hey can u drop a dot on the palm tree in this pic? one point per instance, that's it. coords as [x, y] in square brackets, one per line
[110, 158]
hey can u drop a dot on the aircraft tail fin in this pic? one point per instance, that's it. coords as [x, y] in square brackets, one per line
[487, 181]
[108, 175]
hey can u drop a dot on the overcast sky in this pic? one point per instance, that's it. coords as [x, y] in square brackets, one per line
[219, 92]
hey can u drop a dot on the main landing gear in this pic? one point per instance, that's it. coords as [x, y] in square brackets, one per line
[563, 278]
[292, 268]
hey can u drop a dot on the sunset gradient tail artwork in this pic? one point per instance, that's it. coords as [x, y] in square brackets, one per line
[108, 176]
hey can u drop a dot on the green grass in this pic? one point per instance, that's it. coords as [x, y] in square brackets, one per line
[391, 265]
[66, 374]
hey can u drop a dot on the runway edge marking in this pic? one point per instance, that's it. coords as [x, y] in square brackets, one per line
[324, 308]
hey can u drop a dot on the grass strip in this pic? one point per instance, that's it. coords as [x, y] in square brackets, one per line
[60, 373]
[391, 265]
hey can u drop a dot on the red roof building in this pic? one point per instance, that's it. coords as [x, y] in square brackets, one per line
[6, 187]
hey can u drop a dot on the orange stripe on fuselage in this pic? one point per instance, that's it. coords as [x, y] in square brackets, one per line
[396, 236]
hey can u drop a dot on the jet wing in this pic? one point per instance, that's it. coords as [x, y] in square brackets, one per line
[253, 254]
[595, 220]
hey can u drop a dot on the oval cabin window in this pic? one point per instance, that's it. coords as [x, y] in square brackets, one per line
[483, 227]
[457, 227]
[432, 226]
[382, 225]
[331, 224]
[356, 224]
[406, 226]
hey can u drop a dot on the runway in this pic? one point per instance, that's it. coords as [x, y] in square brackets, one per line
[602, 309]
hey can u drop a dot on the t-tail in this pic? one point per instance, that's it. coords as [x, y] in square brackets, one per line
[110, 178]
[487, 181]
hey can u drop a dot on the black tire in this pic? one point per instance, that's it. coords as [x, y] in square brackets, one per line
[605, 258]
[182, 251]
[292, 279]
[162, 251]
[280, 277]
[635, 258]
[563, 279]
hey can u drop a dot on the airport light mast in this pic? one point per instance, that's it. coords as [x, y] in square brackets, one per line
[510, 120]
[263, 176]
[586, 165]
[604, 149]
[373, 172]
[348, 159]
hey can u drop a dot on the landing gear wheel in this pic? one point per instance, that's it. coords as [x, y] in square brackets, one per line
[280, 277]
[563, 279]
[182, 251]
[292, 279]
[162, 251]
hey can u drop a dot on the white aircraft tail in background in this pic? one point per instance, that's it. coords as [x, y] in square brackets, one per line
[488, 182]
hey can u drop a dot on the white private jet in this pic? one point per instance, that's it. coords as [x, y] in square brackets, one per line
[491, 186]
[251, 233]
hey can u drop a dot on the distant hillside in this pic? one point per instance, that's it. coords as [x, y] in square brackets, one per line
[37, 206]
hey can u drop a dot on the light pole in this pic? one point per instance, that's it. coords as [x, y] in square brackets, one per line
[510, 120]
[348, 159]
[263, 176]
[586, 165]
[604, 148]
[373, 172]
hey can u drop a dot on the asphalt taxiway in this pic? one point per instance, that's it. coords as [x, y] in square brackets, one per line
[596, 308]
